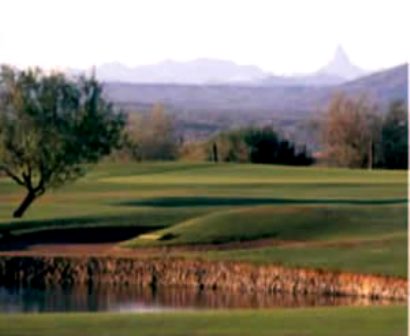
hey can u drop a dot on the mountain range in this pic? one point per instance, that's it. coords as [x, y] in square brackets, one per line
[215, 72]
[200, 71]
[226, 106]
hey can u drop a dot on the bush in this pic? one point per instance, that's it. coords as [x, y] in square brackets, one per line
[258, 145]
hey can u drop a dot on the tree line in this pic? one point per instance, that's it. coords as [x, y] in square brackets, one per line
[353, 134]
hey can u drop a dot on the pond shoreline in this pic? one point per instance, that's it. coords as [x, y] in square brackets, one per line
[48, 270]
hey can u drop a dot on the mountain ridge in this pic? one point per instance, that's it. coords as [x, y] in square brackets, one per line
[383, 87]
[198, 71]
[204, 71]
[337, 71]
[341, 64]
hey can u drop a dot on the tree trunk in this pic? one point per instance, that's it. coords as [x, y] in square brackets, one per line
[30, 197]
[370, 156]
[215, 152]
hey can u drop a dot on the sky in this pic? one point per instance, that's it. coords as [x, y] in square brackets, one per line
[280, 36]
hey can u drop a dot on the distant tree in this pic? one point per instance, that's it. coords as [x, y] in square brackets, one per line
[195, 151]
[215, 152]
[153, 136]
[258, 145]
[50, 128]
[267, 146]
[350, 132]
[394, 137]
[264, 145]
[231, 147]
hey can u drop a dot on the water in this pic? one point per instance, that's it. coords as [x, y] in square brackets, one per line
[138, 299]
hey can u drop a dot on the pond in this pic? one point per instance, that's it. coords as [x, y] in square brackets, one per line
[146, 299]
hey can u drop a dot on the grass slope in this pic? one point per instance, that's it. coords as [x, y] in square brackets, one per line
[285, 222]
[382, 257]
[371, 239]
[341, 321]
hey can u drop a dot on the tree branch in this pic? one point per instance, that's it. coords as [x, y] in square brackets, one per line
[40, 189]
[12, 175]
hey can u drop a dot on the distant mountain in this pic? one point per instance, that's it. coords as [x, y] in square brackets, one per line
[200, 71]
[316, 79]
[341, 66]
[211, 71]
[337, 71]
[382, 86]
[256, 102]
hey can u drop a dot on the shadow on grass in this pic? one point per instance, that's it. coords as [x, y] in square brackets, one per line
[76, 235]
[243, 201]
[86, 229]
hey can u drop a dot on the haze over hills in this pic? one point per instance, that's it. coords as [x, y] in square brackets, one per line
[207, 95]
[200, 110]
[382, 87]
[337, 71]
[212, 71]
[199, 71]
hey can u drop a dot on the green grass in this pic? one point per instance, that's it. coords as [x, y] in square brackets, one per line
[284, 222]
[341, 321]
[217, 203]
[373, 256]
[371, 239]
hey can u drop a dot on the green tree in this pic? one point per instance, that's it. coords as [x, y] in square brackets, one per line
[258, 145]
[51, 127]
[230, 145]
[263, 144]
[394, 140]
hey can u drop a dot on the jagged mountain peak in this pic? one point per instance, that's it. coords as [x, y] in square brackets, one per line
[340, 65]
[340, 56]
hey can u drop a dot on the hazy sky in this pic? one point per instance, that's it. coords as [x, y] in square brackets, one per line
[283, 36]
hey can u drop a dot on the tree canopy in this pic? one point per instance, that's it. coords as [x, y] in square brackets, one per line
[394, 137]
[355, 135]
[152, 136]
[257, 145]
[350, 131]
[51, 126]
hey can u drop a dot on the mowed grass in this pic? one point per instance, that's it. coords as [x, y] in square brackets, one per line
[362, 214]
[340, 321]
[382, 257]
[371, 239]
[284, 223]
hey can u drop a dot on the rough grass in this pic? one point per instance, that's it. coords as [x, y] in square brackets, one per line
[340, 321]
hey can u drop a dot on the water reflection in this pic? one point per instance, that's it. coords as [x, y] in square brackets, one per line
[143, 299]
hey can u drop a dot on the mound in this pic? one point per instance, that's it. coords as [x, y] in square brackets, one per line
[289, 223]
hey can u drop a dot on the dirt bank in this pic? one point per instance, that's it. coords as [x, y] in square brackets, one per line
[45, 270]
